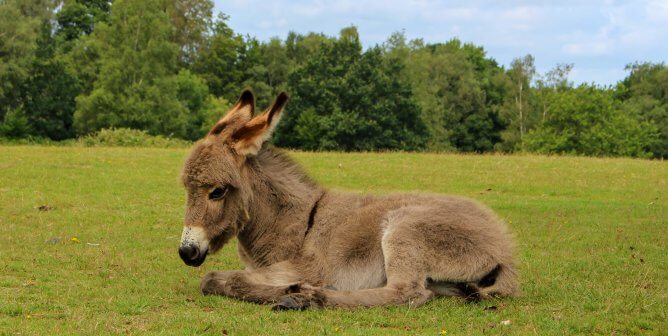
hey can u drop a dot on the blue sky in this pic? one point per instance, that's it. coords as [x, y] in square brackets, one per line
[598, 36]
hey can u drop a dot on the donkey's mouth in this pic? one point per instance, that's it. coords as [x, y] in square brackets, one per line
[191, 255]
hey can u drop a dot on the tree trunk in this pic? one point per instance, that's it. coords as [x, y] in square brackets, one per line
[521, 114]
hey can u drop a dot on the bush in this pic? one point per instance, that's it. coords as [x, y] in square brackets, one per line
[125, 137]
[15, 125]
[588, 121]
[33, 140]
[214, 108]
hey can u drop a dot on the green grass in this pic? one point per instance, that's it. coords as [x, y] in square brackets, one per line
[592, 241]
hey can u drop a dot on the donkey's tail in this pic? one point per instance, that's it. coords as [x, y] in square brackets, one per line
[500, 281]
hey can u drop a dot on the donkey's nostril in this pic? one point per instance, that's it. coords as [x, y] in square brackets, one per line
[192, 255]
[188, 252]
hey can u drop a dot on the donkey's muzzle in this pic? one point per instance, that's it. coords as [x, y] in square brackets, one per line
[191, 255]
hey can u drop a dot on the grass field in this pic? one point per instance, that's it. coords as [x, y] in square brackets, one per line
[89, 240]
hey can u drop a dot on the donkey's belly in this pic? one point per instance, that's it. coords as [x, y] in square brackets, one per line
[359, 275]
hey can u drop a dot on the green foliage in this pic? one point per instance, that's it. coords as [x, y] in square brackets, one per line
[265, 68]
[49, 92]
[587, 121]
[15, 124]
[348, 100]
[518, 111]
[644, 94]
[253, 72]
[72, 67]
[214, 108]
[77, 18]
[29, 140]
[140, 85]
[454, 85]
[77, 50]
[36, 80]
[218, 62]
[18, 42]
[191, 21]
[192, 93]
[125, 137]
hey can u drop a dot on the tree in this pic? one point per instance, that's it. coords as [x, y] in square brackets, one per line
[644, 96]
[316, 87]
[38, 89]
[15, 124]
[587, 121]
[449, 81]
[75, 50]
[219, 60]
[69, 67]
[78, 18]
[192, 22]
[19, 30]
[553, 82]
[278, 65]
[300, 48]
[140, 85]
[254, 72]
[48, 95]
[344, 99]
[517, 110]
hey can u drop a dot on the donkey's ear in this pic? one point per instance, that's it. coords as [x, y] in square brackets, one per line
[249, 139]
[238, 115]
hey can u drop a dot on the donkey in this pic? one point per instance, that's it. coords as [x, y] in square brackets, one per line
[307, 247]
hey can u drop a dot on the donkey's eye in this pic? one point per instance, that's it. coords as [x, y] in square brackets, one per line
[218, 193]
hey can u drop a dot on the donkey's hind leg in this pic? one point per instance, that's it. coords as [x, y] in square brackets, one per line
[264, 285]
[463, 249]
[412, 295]
[405, 269]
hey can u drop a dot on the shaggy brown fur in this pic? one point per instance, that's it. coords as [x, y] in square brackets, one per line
[304, 246]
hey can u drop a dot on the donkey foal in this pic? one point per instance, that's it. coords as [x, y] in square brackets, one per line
[304, 246]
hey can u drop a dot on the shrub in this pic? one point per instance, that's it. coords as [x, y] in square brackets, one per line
[588, 121]
[15, 125]
[125, 137]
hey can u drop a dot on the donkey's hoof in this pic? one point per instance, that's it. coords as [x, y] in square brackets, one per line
[210, 287]
[211, 284]
[294, 288]
[289, 302]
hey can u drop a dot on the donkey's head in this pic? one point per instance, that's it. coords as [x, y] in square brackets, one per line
[216, 180]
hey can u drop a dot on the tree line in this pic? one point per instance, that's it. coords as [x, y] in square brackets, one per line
[69, 68]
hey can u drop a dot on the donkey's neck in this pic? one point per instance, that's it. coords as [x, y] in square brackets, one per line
[283, 200]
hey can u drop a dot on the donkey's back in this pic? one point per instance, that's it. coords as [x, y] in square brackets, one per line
[454, 245]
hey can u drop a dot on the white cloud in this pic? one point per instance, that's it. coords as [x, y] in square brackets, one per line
[587, 48]
[524, 13]
[657, 10]
[629, 27]
[592, 34]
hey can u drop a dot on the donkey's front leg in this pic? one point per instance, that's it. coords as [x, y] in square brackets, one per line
[214, 282]
[243, 286]
[264, 285]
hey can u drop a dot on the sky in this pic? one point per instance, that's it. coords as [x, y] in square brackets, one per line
[599, 37]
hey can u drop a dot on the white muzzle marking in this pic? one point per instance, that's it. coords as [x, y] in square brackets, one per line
[195, 236]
